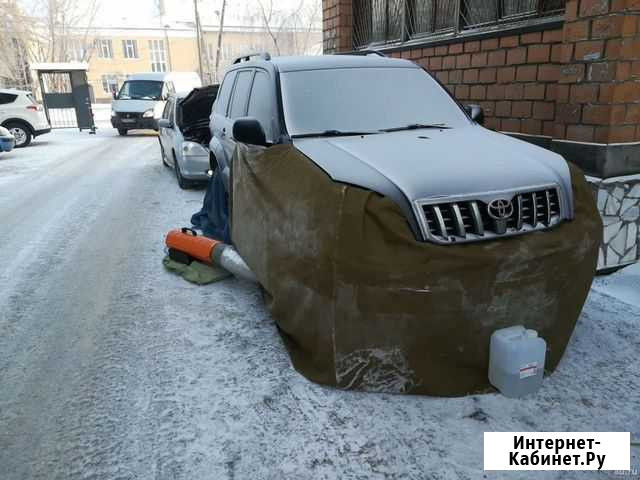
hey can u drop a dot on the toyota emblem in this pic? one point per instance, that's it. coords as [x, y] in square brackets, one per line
[500, 209]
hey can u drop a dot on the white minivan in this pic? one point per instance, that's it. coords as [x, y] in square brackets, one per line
[142, 97]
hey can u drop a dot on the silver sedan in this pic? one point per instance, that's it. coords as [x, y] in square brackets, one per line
[183, 140]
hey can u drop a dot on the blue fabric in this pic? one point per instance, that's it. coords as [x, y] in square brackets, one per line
[213, 218]
[6, 145]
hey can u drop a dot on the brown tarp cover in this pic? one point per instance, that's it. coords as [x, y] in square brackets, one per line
[361, 304]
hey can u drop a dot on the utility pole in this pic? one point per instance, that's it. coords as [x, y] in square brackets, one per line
[198, 36]
[224, 3]
[166, 39]
[165, 26]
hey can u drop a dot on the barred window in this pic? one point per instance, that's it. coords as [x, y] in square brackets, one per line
[110, 83]
[158, 56]
[104, 47]
[392, 21]
[130, 48]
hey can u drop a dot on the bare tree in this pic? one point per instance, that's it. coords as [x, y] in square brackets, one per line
[64, 30]
[15, 31]
[306, 20]
[290, 30]
[43, 31]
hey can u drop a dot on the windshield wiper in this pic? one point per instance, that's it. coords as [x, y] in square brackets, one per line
[333, 133]
[415, 126]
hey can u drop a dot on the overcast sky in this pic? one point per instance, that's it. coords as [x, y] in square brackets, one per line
[140, 13]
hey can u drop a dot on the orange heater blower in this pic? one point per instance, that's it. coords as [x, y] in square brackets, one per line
[185, 246]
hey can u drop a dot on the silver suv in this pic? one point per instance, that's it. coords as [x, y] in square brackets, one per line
[388, 126]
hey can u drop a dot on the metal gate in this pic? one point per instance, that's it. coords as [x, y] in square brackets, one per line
[66, 96]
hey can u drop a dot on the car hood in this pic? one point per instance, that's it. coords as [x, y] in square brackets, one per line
[428, 163]
[196, 107]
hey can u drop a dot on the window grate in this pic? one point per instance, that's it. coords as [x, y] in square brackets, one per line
[391, 21]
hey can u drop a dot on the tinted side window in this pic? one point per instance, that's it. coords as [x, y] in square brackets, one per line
[260, 103]
[240, 94]
[223, 95]
[7, 98]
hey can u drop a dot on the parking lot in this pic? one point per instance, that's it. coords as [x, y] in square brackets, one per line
[111, 367]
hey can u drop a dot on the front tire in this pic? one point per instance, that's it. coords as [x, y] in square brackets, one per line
[21, 132]
[122, 132]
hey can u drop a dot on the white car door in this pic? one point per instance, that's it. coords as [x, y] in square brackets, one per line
[7, 101]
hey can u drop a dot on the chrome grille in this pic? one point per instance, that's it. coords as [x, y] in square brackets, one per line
[468, 219]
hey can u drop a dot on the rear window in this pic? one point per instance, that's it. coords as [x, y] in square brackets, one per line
[7, 98]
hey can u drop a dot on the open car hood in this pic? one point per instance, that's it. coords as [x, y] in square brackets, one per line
[196, 107]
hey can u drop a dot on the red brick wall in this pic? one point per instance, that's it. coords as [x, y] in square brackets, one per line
[598, 95]
[513, 78]
[337, 26]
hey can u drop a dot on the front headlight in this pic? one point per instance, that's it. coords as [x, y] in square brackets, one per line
[113, 113]
[192, 148]
[148, 113]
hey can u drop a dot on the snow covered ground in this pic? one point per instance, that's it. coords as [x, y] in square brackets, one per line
[101, 114]
[113, 368]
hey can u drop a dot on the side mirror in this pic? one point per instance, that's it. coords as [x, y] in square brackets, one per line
[248, 130]
[114, 95]
[164, 123]
[476, 113]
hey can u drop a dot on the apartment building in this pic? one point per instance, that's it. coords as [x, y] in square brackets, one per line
[113, 54]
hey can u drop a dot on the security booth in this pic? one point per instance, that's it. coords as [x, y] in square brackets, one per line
[66, 94]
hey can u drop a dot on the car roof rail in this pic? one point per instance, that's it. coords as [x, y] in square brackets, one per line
[245, 58]
[366, 51]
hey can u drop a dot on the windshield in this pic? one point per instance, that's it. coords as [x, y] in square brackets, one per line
[141, 90]
[365, 100]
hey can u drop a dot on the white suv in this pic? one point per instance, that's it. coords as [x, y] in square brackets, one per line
[22, 116]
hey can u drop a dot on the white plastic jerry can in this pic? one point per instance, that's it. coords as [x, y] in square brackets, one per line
[516, 361]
